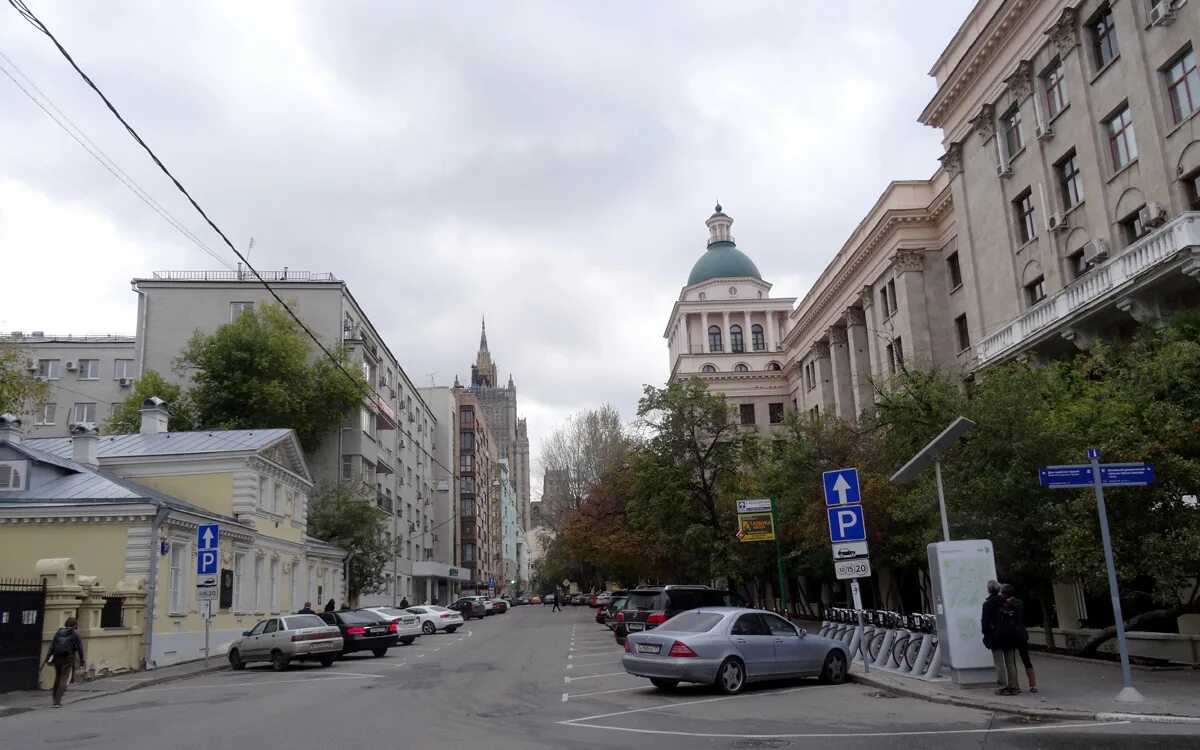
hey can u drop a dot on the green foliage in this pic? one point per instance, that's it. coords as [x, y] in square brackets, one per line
[255, 372]
[20, 394]
[126, 417]
[346, 515]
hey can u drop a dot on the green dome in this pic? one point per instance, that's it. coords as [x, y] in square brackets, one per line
[722, 261]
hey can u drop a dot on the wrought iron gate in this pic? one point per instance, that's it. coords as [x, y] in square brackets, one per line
[22, 613]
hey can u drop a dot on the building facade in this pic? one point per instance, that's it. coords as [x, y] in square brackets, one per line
[510, 529]
[387, 445]
[87, 375]
[478, 499]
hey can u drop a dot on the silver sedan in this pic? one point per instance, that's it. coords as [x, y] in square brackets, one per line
[728, 647]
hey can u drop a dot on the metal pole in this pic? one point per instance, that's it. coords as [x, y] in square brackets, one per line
[862, 640]
[937, 465]
[207, 627]
[1128, 693]
[779, 559]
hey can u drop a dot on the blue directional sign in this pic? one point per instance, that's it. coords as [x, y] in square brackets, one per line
[847, 524]
[1055, 477]
[1093, 453]
[841, 487]
[208, 536]
[491, 582]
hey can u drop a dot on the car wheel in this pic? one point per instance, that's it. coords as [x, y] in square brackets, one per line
[451, 629]
[408, 639]
[379, 652]
[235, 660]
[662, 684]
[279, 662]
[834, 670]
[429, 628]
[327, 660]
[731, 677]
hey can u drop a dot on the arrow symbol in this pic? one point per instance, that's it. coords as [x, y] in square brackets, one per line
[208, 537]
[841, 487]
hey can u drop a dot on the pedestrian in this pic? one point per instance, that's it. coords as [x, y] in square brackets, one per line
[987, 623]
[64, 647]
[1007, 634]
[557, 599]
[1009, 595]
[330, 605]
[306, 609]
[404, 602]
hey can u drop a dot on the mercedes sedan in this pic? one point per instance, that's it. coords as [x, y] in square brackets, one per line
[728, 647]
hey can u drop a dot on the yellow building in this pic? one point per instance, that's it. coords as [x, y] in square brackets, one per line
[126, 509]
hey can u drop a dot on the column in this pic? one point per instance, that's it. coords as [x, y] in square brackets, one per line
[687, 332]
[770, 331]
[860, 359]
[910, 289]
[839, 371]
[875, 335]
[825, 395]
[704, 332]
[725, 331]
[747, 337]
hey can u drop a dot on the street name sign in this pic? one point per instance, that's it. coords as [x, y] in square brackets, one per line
[847, 524]
[1080, 475]
[841, 486]
[756, 527]
[754, 506]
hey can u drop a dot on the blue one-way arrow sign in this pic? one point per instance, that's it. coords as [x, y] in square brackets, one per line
[208, 536]
[841, 487]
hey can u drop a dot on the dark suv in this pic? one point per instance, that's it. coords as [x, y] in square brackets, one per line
[648, 607]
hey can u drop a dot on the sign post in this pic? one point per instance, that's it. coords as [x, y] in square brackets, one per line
[848, 533]
[208, 555]
[757, 522]
[1098, 475]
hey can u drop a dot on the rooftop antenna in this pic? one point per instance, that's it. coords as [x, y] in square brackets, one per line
[249, 247]
[432, 378]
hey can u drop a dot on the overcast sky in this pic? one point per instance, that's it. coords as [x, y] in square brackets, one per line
[548, 164]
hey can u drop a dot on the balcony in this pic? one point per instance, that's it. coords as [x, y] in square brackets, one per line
[384, 502]
[1170, 248]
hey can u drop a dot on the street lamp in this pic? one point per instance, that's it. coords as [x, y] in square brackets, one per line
[932, 454]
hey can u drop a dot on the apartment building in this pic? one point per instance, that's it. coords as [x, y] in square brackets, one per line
[386, 445]
[510, 528]
[87, 376]
[445, 570]
[478, 491]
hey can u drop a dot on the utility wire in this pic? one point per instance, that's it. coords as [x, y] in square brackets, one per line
[369, 389]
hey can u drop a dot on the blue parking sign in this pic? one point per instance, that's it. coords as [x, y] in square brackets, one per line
[847, 524]
[206, 562]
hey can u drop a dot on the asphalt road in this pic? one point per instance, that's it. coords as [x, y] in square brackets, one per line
[531, 678]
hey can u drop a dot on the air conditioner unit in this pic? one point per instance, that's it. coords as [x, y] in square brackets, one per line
[70, 366]
[40, 378]
[125, 382]
[1044, 132]
[1003, 169]
[1058, 222]
[30, 364]
[1163, 14]
[1152, 215]
[1094, 251]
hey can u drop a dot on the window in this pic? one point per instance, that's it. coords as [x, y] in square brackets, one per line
[1070, 182]
[1122, 147]
[962, 333]
[89, 369]
[895, 356]
[891, 287]
[50, 369]
[741, 368]
[1076, 265]
[466, 440]
[757, 338]
[774, 366]
[775, 413]
[175, 585]
[735, 339]
[110, 616]
[468, 485]
[1010, 126]
[714, 339]
[122, 369]
[1132, 228]
[263, 492]
[84, 412]
[368, 421]
[899, 352]
[467, 507]
[1026, 226]
[347, 468]
[747, 413]
[810, 376]
[468, 553]
[1191, 186]
[466, 417]
[954, 270]
[277, 498]
[239, 567]
[237, 308]
[883, 302]
[46, 414]
[1055, 88]
[1104, 37]
[1035, 291]
[1183, 86]
[708, 368]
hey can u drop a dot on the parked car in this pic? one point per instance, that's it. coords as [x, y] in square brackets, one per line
[610, 612]
[604, 602]
[470, 608]
[363, 630]
[549, 598]
[602, 599]
[535, 600]
[578, 600]
[408, 625]
[523, 600]
[282, 640]
[729, 647]
[489, 607]
[500, 606]
[648, 607]
[434, 618]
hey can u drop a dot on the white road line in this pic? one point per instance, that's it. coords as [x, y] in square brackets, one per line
[401, 664]
[564, 700]
[604, 692]
[252, 684]
[594, 676]
[851, 735]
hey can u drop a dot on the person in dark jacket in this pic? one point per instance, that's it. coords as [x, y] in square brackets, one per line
[330, 605]
[1009, 634]
[306, 609]
[65, 646]
[404, 602]
[987, 624]
[1008, 593]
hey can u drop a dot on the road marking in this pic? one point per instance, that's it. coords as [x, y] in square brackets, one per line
[604, 692]
[564, 700]
[594, 676]
[833, 735]
[231, 686]
[401, 664]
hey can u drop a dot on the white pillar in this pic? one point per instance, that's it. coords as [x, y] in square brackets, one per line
[704, 332]
[747, 338]
[725, 331]
[772, 336]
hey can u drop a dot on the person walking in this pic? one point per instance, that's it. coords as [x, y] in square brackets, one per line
[330, 605]
[1009, 595]
[987, 623]
[1008, 633]
[64, 647]
[306, 609]
[404, 602]
[557, 599]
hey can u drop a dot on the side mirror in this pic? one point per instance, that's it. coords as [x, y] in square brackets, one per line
[245, 633]
[803, 632]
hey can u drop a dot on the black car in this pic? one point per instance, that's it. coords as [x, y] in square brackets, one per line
[363, 631]
[469, 608]
[605, 610]
[499, 606]
[648, 607]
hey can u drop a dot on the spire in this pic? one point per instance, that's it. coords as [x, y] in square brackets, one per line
[483, 336]
[718, 226]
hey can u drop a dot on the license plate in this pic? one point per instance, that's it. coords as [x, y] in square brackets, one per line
[634, 626]
[649, 648]
[377, 631]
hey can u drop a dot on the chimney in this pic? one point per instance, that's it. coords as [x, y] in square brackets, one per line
[10, 429]
[84, 437]
[154, 416]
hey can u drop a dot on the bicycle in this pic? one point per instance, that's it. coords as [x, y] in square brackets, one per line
[927, 627]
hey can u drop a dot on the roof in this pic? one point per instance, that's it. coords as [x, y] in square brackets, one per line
[722, 260]
[167, 443]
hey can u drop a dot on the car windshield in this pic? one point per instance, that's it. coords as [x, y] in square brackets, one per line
[361, 617]
[299, 622]
[642, 600]
[618, 602]
[692, 622]
[439, 609]
[416, 610]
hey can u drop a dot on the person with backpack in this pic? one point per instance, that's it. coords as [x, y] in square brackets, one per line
[1009, 594]
[988, 625]
[64, 646]
[1009, 635]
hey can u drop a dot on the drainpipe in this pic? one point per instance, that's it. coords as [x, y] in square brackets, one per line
[141, 335]
[152, 585]
[346, 576]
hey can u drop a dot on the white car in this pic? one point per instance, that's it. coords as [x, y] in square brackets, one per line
[434, 618]
[408, 625]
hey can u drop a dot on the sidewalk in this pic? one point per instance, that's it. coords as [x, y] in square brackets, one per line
[32, 700]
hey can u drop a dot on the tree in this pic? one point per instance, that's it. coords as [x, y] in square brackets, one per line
[346, 515]
[126, 416]
[19, 393]
[255, 372]
[580, 452]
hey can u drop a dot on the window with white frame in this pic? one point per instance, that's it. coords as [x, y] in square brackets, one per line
[122, 369]
[239, 569]
[46, 414]
[237, 308]
[263, 492]
[277, 497]
[89, 369]
[84, 412]
[176, 583]
[50, 369]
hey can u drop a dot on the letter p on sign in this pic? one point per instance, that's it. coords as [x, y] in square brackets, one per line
[846, 524]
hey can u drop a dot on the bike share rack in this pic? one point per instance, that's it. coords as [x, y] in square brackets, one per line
[906, 645]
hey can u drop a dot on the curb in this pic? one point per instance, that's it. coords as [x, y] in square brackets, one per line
[134, 685]
[1061, 714]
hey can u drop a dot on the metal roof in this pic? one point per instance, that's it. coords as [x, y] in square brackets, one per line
[167, 443]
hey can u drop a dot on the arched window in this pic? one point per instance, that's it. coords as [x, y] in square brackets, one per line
[774, 366]
[708, 368]
[735, 339]
[756, 333]
[741, 368]
[714, 339]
